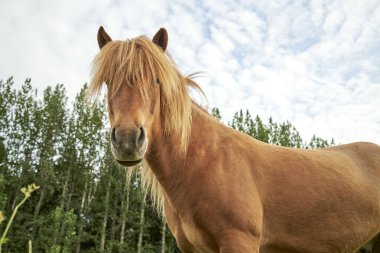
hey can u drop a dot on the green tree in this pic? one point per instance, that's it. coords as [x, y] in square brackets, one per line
[51, 124]
[317, 142]
[281, 134]
[216, 113]
[89, 133]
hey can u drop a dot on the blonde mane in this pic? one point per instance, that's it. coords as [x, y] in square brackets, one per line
[141, 63]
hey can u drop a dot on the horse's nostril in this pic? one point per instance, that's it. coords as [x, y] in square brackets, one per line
[142, 135]
[113, 134]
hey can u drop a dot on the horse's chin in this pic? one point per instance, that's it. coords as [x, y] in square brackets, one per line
[129, 163]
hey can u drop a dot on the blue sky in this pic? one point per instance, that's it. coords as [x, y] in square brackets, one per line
[314, 63]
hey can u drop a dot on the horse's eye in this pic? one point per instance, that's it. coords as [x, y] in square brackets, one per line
[158, 83]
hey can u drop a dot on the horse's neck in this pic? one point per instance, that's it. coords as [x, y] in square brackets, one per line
[165, 159]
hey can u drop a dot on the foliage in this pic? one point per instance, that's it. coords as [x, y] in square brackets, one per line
[85, 203]
[27, 191]
[283, 134]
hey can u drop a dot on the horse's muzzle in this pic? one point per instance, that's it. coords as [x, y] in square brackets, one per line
[128, 145]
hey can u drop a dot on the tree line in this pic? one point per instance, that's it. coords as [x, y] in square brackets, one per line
[85, 202]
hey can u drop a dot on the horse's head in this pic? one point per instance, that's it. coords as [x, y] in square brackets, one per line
[132, 100]
[146, 95]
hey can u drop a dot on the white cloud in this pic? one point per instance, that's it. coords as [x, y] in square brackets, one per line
[314, 63]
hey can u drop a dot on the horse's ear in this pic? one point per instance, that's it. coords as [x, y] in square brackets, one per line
[161, 38]
[103, 37]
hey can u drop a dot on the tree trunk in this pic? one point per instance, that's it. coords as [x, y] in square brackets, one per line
[163, 236]
[65, 189]
[61, 236]
[91, 193]
[124, 210]
[114, 219]
[14, 202]
[142, 220]
[62, 207]
[105, 218]
[37, 211]
[80, 219]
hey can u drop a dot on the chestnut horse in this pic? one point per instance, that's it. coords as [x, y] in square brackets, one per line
[221, 190]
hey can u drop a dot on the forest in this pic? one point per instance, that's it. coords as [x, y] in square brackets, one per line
[85, 202]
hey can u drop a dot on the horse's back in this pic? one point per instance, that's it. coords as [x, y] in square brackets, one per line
[320, 199]
[367, 158]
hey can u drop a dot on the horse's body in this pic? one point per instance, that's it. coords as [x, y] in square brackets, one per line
[224, 191]
[234, 192]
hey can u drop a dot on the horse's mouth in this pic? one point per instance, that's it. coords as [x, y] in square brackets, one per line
[129, 163]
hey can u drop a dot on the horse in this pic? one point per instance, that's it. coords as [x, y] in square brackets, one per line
[221, 190]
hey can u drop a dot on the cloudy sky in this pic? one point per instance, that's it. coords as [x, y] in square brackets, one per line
[315, 63]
